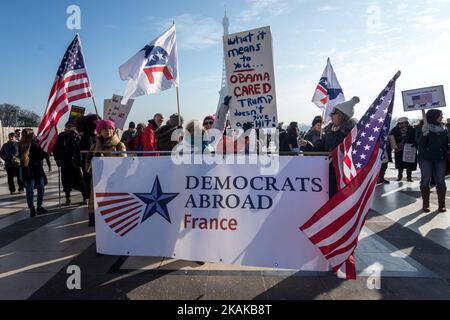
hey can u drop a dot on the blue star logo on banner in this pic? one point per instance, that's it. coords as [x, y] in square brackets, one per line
[156, 201]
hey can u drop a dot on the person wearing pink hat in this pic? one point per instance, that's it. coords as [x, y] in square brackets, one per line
[105, 144]
[208, 122]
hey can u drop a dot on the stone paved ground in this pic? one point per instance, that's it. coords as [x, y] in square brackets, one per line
[412, 248]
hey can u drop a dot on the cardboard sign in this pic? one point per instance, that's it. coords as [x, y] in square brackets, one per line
[250, 77]
[423, 98]
[115, 111]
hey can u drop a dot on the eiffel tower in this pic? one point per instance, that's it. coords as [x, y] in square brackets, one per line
[224, 88]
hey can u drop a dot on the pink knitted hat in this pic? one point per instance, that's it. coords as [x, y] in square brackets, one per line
[101, 124]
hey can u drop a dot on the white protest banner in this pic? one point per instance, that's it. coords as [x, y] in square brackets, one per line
[230, 213]
[117, 112]
[423, 98]
[250, 77]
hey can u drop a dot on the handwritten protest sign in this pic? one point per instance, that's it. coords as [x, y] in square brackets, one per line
[250, 76]
[117, 112]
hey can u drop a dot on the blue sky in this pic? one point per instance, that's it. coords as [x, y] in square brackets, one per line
[367, 41]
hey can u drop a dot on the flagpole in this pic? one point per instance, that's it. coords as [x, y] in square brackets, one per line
[93, 101]
[90, 88]
[323, 122]
[178, 106]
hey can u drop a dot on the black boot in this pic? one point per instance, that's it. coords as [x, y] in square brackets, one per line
[400, 175]
[41, 210]
[441, 192]
[409, 176]
[67, 201]
[91, 220]
[425, 191]
[32, 213]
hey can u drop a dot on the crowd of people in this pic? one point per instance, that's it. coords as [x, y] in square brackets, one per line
[425, 144]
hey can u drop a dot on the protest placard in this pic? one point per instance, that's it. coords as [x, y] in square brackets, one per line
[250, 77]
[115, 111]
[75, 112]
[423, 98]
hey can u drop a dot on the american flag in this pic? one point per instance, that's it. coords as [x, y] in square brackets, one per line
[71, 84]
[423, 98]
[335, 227]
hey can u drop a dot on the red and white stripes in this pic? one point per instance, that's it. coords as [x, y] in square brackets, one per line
[122, 212]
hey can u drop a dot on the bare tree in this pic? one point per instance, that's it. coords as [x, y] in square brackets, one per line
[15, 116]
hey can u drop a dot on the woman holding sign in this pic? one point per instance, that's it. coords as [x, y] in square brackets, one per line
[433, 148]
[402, 139]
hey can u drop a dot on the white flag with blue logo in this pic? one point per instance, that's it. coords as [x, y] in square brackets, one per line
[328, 92]
[152, 69]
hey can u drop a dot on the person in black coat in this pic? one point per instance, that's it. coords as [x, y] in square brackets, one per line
[32, 171]
[340, 126]
[399, 136]
[68, 158]
[433, 149]
[164, 133]
[314, 134]
[10, 154]
[85, 126]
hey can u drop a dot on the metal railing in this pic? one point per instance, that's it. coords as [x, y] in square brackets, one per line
[168, 153]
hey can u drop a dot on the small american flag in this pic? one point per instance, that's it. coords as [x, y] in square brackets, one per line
[423, 98]
[335, 227]
[71, 84]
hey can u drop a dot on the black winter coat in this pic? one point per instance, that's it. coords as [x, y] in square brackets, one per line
[34, 170]
[433, 146]
[330, 140]
[8, 152]
[67, 149]
[163, 137]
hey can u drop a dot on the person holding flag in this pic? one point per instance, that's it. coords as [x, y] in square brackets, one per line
[328, 92]
[153, 69]
[342, 123]
[334, 229]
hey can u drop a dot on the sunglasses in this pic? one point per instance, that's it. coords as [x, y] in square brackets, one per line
[208, 123]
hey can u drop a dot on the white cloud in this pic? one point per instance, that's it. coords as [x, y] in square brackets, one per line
[194, 31]
[326, 8]
[257, 8]
[291, 67]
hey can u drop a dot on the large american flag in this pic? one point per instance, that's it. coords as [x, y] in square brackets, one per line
[71, 84]
[335, 227]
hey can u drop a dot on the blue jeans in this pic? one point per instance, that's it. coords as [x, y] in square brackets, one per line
[30, 185]
[435, 168]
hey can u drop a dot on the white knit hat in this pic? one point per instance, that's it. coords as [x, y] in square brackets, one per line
[402, 119]
[347, 107]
